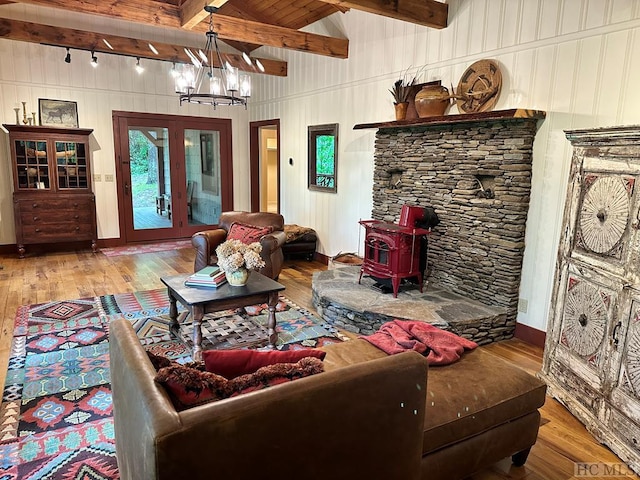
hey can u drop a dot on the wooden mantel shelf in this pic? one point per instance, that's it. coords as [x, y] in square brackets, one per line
[461, 118]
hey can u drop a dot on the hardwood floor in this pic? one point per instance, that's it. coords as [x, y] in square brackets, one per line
[58, 276]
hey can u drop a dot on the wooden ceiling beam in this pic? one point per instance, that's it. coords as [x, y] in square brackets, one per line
[247, 31]
[423, 12]
[91, 41]
[150, 12]
[192, 11]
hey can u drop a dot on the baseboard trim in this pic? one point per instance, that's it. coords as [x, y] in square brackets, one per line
[319, 257]
[530, 335]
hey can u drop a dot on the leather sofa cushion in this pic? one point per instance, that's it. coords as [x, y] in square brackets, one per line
[464, 399]
[233, 363]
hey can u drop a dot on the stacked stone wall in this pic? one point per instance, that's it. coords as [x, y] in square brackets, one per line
[477, 176]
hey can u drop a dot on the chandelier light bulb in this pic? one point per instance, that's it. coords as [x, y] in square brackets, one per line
[189, 74]
[245, 86]
[232, 78]
[215, 85]
[174, 71]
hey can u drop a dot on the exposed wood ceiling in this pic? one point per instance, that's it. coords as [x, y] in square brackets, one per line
[243, 24]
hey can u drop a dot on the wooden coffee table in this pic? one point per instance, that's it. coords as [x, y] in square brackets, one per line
[201, 300]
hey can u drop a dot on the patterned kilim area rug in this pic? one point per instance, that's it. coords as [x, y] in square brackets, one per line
[146, 248]
[56, 412]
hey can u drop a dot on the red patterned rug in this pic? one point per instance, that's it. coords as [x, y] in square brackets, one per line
[146, 248]
[56, 412]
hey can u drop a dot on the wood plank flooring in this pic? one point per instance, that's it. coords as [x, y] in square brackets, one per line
[59, 276]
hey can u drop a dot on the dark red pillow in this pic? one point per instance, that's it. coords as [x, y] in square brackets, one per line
[276, 374]
[158, 362]
[188, 387]
[233, 363]
[247, 233]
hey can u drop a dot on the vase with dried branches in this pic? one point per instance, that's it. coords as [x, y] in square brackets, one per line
[401, 92]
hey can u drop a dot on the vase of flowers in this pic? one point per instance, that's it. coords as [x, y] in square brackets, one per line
[235, 259]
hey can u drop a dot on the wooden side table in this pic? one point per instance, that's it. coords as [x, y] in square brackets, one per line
[202, 300]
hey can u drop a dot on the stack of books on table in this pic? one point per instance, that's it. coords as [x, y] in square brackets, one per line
[210, 276]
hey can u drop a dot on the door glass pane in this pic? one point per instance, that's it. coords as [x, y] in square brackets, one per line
[202, 158]
[71, 159]
[150, 177]
[32, 164]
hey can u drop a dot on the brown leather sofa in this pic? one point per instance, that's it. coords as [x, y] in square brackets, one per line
[364, 417]
[205, 242]
[479, 410]
[361, 421]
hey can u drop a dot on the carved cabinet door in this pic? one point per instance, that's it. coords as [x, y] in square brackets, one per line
[592, 352]
[584, 323]
[624, 406]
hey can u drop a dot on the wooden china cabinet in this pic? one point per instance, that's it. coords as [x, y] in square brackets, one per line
[592, 351]
[52, 198]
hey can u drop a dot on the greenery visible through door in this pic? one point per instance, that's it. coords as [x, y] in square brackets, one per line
[144, 169]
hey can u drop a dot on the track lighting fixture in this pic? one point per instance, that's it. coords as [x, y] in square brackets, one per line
[94, 60]
[139, 68]
[67, 59]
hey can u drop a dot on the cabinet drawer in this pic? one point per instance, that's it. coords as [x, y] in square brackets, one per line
[61, 231]
[54, 204]
[68, 217]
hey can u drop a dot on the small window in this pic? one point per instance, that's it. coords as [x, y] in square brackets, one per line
[323, 157]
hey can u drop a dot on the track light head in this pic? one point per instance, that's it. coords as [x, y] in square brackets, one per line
[139, 68]
[67, 58]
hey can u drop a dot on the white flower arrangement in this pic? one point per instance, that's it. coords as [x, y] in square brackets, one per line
[233, 255]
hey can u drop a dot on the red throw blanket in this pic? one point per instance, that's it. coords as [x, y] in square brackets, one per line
[440, 347]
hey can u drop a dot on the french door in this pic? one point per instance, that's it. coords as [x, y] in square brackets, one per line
[174, 174]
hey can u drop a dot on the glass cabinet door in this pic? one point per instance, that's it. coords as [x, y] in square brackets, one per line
[32, 167]
[71, 161]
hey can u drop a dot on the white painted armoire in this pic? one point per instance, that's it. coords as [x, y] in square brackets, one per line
[592, 352]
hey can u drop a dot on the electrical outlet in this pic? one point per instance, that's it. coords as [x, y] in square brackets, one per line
[523, 305]
[97, 177]
[108, 177]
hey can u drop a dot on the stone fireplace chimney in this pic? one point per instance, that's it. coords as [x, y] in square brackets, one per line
[475, 170]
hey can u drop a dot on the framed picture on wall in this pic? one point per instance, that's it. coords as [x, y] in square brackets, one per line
[58, 113]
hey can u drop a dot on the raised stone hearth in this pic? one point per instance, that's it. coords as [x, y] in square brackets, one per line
[359, 308]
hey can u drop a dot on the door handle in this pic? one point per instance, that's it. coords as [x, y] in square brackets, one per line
[614, 335]
[126, 189]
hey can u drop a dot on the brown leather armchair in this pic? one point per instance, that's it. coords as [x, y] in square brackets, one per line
[205, 242]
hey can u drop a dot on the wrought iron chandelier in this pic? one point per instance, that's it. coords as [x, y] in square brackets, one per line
[208, 79]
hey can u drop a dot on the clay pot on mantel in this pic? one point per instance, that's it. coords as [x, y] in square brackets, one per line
[401, 110]
[432, 101]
